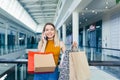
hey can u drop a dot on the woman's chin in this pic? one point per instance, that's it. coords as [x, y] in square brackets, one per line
[50, 38]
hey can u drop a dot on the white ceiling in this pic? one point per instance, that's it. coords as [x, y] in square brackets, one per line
[41, 11]
[95, 9]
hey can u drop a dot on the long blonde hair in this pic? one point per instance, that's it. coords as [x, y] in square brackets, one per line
[56, 39]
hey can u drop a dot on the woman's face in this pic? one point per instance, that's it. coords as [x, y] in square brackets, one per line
[49, 31]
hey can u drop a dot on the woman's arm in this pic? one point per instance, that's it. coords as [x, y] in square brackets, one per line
[62, 46]
[41, 46]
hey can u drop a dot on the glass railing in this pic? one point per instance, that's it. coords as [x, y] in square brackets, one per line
[17, 70]
[32, 46]
[14, 48]
[11, 49]
[103, 65]
[13, 71]
[108, 58]
[101, 54]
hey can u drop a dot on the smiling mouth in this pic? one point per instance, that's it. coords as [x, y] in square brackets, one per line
[50, 34]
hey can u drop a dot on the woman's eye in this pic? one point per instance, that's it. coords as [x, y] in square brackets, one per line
[46, 30]
[49, 30]
[52, 29]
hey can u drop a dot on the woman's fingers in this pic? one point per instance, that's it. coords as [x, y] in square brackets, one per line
[74, 44]
[43, 37]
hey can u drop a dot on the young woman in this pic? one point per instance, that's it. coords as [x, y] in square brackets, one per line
[50, 43]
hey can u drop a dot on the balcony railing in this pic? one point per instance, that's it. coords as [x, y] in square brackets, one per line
[103, 62]
[17, 69]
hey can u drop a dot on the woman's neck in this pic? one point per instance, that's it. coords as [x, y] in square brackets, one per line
[50, 38]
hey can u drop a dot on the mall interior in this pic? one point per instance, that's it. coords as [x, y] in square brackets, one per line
[93, 24]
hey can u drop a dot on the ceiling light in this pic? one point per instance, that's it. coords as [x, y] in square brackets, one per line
[86, 8]
[82, 13]
[106, 3]
[106, 7]
[93, 11]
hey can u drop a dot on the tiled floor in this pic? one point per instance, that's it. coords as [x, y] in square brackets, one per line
[97, 74]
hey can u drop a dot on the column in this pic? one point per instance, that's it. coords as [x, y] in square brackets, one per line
[84, 41]
[59, 33]
[64, 32]
[6, 37]
[17, 38]
[6, 33]
[26, 40]
[75, 26]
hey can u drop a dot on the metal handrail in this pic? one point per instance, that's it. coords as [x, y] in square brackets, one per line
[102, 48]
[91, 63]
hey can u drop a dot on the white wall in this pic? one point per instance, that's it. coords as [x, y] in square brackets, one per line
[14, 8]
[111, 31]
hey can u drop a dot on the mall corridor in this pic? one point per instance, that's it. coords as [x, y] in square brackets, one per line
[93, 24]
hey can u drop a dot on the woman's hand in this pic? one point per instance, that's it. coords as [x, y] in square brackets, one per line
[44, 38]
[42, 43]
[74, 46]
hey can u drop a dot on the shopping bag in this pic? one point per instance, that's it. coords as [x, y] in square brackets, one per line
[64, 66]
[44, 63]
[78, 65]
[31, 61]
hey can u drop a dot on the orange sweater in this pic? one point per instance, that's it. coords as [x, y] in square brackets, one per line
[55, 50]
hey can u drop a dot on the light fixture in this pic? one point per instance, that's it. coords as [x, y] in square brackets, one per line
[82, 13]
[106, 7]
[93, 11]
[86, 8]
[106, 2]
[96, 12]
